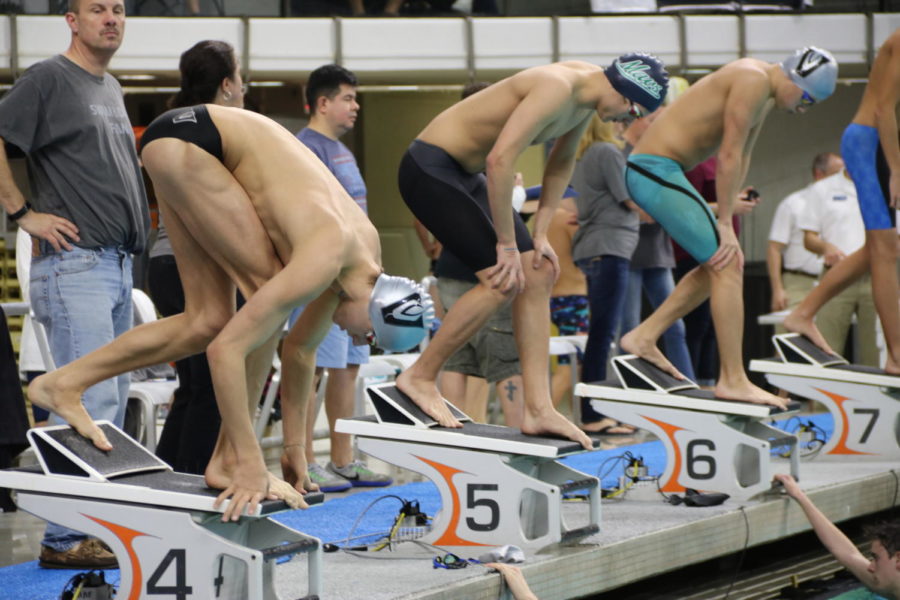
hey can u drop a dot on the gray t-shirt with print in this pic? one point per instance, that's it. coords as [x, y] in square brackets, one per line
[606, 226]
[82, 163]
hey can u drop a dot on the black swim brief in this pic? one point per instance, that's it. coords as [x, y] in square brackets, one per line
[191, 124]
[453, 205]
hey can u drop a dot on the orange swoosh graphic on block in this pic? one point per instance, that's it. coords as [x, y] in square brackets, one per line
[126, 536]
[449, 536]
[841, 446]
[672, 484]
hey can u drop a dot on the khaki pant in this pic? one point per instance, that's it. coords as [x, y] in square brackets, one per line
[835, 317]
[796, 286]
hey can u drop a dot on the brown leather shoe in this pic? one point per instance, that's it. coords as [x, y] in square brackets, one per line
[86, 554]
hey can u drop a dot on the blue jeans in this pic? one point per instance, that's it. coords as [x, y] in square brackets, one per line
[657, 283]
[607, 279]
[83, 299]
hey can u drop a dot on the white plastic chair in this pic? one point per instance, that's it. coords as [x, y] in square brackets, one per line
[153, 393]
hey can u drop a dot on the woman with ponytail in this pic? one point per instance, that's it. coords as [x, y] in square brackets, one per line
[209, 75]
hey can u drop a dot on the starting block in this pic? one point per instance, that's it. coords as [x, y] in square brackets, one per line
[498, 486]
[863, 401]
[711, 444]
[161, 525]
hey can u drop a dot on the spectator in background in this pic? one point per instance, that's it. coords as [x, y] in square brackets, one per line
[391, 8]
[606, 237]
[14, 423]
[569, 309]
[793, 270]
[430, 245]
[89, 217]
[333, 106]
[833, 229]
[210, 74]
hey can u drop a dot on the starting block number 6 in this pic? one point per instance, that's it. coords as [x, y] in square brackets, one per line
[709, 472]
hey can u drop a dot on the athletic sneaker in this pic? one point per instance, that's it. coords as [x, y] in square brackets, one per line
[359, 475]
[89, 553]
[327, 481]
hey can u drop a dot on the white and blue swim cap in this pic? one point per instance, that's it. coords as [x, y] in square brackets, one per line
[640, 77]
[401, 312]
[813, 70]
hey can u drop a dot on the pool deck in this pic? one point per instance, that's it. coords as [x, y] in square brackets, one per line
[638, 539]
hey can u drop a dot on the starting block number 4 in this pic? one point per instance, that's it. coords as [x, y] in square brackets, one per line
[165, 553]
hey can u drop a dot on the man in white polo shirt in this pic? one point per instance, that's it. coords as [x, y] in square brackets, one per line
[793, 270]
[833, 228]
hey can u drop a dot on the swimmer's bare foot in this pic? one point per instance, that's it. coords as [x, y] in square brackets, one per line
[549, 421]
[633, 343]
[797, 323]
[427, 397]
[218, 472]
[745, 391]
[891, 366]
[45, 392]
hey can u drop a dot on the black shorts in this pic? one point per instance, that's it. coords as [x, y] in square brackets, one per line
[453, 205]
[191, 124]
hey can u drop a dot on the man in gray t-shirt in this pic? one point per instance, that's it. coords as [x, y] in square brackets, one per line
[89, 215]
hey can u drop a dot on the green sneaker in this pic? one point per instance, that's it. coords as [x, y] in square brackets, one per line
[326, 480]
[358, 475]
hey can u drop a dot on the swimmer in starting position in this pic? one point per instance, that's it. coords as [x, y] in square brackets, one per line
[246, 202]
[871, 151]
[471, 213]
[721, 114]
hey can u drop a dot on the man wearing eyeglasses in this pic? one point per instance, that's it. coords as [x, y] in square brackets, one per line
[719, 115]
[471, 214]
[871, 151]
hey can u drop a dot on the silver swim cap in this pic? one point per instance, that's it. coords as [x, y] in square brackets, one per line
[401, 312]
[813, 70]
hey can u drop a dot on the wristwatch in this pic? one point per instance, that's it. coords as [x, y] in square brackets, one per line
[20, 213]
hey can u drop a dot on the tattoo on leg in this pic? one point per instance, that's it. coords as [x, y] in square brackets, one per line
[510, 388]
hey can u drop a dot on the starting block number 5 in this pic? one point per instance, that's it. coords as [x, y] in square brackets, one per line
[473, 504]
